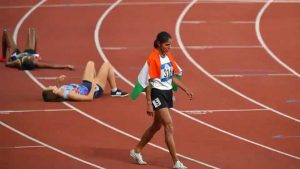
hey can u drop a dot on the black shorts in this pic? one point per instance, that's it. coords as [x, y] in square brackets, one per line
[30, 51]
[88, 84]
[27, 52]
[161, 98]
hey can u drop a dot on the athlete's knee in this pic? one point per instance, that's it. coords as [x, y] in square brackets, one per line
[4, 31]
[92, 63]
[169, 127]
[155, 127]
[107, 65]
[32, 29]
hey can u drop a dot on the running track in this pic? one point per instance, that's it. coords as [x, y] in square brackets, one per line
[241, 63]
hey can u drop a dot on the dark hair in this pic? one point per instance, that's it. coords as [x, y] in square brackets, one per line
[162, 37]
[49, 96]
[27, 63]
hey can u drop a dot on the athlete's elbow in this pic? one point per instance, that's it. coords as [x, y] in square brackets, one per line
[91, 98]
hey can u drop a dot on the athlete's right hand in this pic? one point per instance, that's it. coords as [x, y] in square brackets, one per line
[150, 110]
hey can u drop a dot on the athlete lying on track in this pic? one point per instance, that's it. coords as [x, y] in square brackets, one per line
[92, 85]
[27, 60]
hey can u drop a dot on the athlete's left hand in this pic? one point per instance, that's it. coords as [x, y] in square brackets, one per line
[61, 78]
[70, 67]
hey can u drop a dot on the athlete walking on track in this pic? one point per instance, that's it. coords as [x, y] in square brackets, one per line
[158, 77]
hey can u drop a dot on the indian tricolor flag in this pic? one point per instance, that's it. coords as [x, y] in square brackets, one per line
[143, 81]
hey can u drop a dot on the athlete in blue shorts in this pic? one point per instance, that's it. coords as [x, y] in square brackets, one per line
[27, 60]
[92, 85]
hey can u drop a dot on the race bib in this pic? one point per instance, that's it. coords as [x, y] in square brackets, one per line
[166, 72]
[156, 102]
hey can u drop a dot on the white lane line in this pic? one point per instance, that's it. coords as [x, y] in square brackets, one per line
[195, 112]
[15, 35]
[114, 48]
[190, 58]
[103, 56]
[155, 3]
[194, 22]
[26, 111]
[250, 75]
[21, 21]
[280, 136]
[55, 5]
[202, 47]
[293, 101]
[179, 41]
[49, 146]
[37, 82]
[134, 137]
[94, 4]
[242, 22]
[216, 22]
[194, 47]
[47, 78]
[55, 77]
[116, 129]
[22, 147]
[101, 122]
[262, 42]
[246, 1]
[143, 3]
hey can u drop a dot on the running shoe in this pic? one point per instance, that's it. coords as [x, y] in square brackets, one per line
[179, 165]
[137, 157]
[37, 57]
[118, 93]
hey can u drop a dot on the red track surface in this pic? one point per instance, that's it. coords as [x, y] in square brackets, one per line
[66, 35]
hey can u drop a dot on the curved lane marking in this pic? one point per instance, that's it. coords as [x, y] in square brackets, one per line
[260, 38]
[30, 75]
[97, 42]
[36, 81]
[48, 146]
[224, 85]
[190, 58]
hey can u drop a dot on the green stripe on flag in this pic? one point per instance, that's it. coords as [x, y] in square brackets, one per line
[175, 87]
[136, 91]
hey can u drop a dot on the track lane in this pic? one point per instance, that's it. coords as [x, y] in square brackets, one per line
[228, 87]
[28, 91]
[276, 123]
[68, 132]
[18, 152]
[125, 86]
[208, 56]
[130, 33]
[257, 29]
[92, 117]
[280, 34]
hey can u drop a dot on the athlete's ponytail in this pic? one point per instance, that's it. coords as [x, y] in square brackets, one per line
[162, 37]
